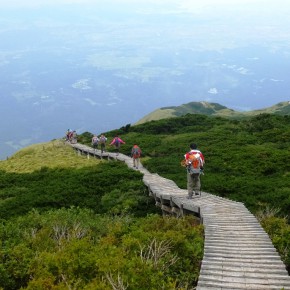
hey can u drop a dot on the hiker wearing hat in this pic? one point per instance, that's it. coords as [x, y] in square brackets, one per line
[194, 162]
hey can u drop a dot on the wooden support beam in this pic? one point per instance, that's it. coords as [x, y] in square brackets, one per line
[166, 209]
[176, 211]
[181, 210]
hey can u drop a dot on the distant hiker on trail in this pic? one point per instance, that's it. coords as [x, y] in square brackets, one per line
[103, 141]
[117, 141]
[68, 134]
[71, 136]
[95, 142]
[194, 161]
[74, 137]
[135, 154]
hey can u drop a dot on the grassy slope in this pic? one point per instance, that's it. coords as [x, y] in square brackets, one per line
[69, 222]
[229, 171]
[51, 175]
[211, 109]
[246, 160]
[54, 154]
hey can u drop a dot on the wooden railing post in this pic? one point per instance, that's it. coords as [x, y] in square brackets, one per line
[181, 210]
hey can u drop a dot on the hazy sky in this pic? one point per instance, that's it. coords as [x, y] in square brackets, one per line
[111, 28]
[262, 17]
[257, 8]
[81, 55]
[121, 34]
[180, 6]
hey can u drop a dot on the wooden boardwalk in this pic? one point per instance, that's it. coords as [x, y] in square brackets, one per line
[238, 254]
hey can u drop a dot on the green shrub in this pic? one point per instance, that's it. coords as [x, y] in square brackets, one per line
[278, 230]
[75, 248]
[65, 187]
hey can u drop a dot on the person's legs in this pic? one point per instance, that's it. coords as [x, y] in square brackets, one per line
[196, 181]
[102, 147]
[193, 184]
[118, 149]
[190, 185]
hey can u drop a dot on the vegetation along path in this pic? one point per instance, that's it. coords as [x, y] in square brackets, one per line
[238, 254]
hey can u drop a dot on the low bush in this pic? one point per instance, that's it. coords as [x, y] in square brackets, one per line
[77, 249]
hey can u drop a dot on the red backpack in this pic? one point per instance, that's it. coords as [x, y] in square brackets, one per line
[194, 163]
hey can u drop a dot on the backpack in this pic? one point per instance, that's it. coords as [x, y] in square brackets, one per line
[117, 142]
[103, 140]
[136, 152]
[95, 141]
[194, 163]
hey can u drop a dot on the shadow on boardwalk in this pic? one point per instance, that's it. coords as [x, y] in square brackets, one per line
[238, 254]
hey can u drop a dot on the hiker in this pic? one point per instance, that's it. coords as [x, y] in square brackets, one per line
[102, 141]
[95, 142]
[135, 154]
[74, 137]
[117, 141]
[194, 162]
[69, 133]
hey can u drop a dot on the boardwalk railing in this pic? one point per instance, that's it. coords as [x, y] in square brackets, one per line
[238, 254]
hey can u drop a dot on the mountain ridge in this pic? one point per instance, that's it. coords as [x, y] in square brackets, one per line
[211, 109]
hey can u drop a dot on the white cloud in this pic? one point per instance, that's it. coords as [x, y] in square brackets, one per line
[253, 58]
[274, 80]
[81, 84]
[243, 70]
[91, 102]
[111, 104]
[213, 91]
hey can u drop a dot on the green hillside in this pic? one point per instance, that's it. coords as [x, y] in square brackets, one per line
[48, 155]
[247, 160]
[78, 223]
[211, 109]
[65, 179]
[68, 222]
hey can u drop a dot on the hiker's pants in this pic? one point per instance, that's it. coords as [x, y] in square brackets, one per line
[193, 182]
[136, 162]
[103, 147]
[117, 147]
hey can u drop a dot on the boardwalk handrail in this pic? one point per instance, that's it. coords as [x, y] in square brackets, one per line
[238, 254]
